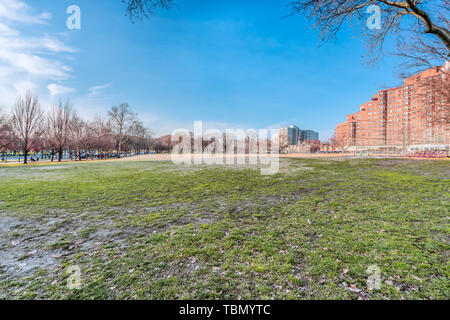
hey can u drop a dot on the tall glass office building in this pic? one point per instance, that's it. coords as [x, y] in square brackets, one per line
[309, 135]
[289, 136]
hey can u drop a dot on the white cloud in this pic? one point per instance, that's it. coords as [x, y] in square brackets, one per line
[35, 65]
[19, 11]
[56, 89]
[23, 86]
[7, 31]
[93, 91]
[12, 40]
[27, 61]
[55, 45]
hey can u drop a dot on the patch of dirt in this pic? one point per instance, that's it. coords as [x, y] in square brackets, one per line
[18, 255]
[414, 166]
[28, 245]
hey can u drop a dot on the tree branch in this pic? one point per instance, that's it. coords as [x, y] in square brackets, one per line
[430, 27]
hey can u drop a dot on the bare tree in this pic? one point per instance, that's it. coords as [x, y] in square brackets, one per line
[122, 119]
[149, 140]
[341, 143]
[160, 147]
[420, 27]
[79, 133]
[27, 122]
[59, 126]
[7, 138]
[163, 144]
[3, 117]
[102, 135]
[141, 137]
[140, 9]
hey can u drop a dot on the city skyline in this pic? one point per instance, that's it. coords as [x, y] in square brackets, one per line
[181, 65]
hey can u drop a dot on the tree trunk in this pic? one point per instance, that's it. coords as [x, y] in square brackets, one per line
[60, 155]
[25, 156]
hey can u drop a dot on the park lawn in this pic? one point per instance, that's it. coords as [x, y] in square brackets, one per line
[155, 230]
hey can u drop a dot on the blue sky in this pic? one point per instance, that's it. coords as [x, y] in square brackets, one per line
[231, 64]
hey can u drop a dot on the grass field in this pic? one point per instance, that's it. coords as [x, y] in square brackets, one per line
[153, 230]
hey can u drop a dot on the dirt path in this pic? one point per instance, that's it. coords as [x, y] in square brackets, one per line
[168, 157]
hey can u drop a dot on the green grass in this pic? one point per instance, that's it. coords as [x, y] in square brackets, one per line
[154, 230]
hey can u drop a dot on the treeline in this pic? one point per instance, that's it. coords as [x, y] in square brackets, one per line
[62, 131]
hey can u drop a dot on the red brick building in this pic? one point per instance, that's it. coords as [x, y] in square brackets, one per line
[416, 113]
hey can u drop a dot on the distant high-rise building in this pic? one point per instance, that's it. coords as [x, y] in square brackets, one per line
[289, 136]
[309, 135]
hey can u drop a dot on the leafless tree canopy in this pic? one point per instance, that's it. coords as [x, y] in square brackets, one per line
[122, 119]
[341, 143]
[27, 122]
[2, 117]
[58, 127]
[80, 132]
[63, 132]
[140, 9]
[7, 138]
[419, 27]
